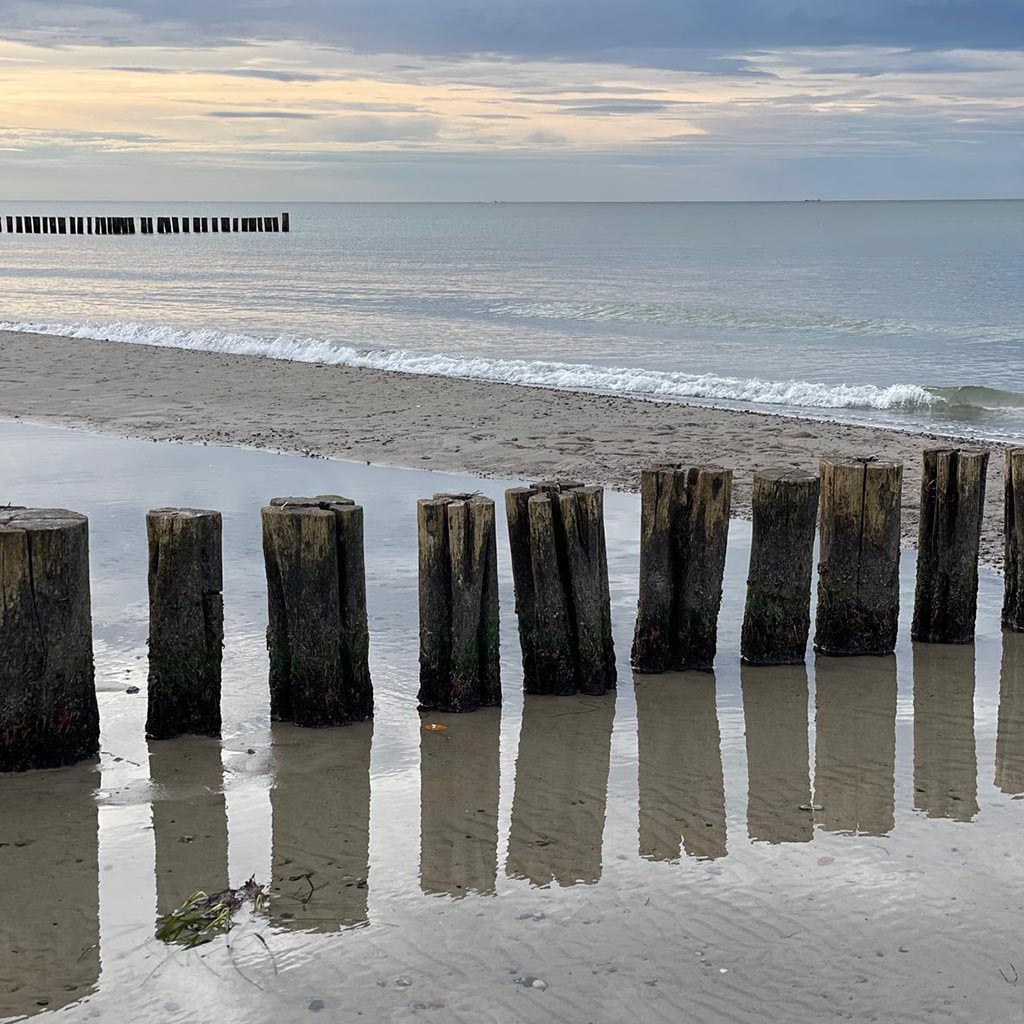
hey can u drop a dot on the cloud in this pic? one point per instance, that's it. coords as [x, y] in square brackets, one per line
[290, 115]
[660, 33]
[543, 138]
[261, 73]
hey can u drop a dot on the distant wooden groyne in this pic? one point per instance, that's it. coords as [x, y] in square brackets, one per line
[30, 224]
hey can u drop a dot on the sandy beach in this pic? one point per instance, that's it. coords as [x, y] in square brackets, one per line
[784, 844]
[441, 423]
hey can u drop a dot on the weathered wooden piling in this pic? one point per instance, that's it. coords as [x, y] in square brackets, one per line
[560, 568]
[949, 536]
[285, 222]
[684, 528]
[777, 618]
[1013, 567]
[458, 598]
[317, 634]
[48, 711]
[186, 622]
[859, 565]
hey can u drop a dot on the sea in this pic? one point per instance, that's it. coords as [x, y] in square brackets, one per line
[898, 314]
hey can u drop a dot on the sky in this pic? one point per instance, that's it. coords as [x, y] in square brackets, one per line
[479, 100]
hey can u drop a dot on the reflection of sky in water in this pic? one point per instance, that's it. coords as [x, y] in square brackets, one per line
[698, 846]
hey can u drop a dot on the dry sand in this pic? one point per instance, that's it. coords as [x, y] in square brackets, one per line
[431, 422]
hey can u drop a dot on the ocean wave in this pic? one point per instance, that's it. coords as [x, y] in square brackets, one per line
[739, 319]
[630, 381]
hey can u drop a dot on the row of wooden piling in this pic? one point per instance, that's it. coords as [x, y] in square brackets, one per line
[318, 636]
[25, 224]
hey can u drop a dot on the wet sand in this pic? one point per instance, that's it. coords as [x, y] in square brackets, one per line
[838, 840]
[475, 427]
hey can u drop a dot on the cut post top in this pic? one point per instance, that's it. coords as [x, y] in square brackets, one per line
[554, 486]
[955, 450]
[785, 475]
[665, 466]
[450, 498]
[17, 519]
[858, 461]
[321, 501]
[182, 513]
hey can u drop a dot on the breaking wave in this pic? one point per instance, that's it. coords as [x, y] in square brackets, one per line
[629, 381]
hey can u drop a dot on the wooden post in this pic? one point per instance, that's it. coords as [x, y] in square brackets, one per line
[777, 619]
[684, 528]
[949, 536]
[1013, 567]
[859, 566]
[560, 568]
[62, 225]
[458, 596]
[186, 622]
[48, 711]
[285, 221]
[317, 634]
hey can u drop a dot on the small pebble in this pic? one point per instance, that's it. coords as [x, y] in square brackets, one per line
[403, 982]
[132, 689]
[528, 981]
[316, 1005]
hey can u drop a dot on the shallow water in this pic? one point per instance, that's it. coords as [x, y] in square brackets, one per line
[889, 313]
[801, 844]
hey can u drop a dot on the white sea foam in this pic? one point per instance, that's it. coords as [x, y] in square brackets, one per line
[565, 376]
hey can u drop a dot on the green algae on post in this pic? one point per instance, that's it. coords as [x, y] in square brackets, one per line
[859, 567]
[317, 634]
[563, 602]
[1013, 594]
[460, 668]
[48, 711]
[949, 538]
[186, 622]
[777, 619]
[684, 530]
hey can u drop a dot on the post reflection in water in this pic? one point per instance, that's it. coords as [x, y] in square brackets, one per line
[49, 896]
[459, 788]
[561, 789]
[320, 806]
[855, 749]
[1009, 775]
[778, 756]
[682, 789]
[190, 825]
[945, 762]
